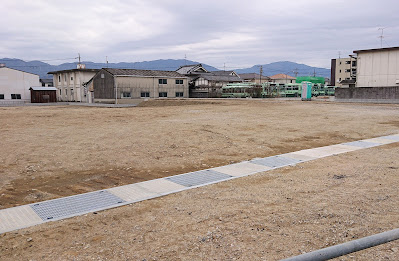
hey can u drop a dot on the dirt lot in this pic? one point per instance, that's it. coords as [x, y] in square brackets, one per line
[266, 216]
[48, 152]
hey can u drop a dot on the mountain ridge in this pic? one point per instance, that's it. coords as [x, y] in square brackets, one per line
[42, 68]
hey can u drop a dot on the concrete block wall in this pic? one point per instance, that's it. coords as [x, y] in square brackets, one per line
[368, 93]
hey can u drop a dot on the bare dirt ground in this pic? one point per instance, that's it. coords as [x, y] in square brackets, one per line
[49, 152]
[267, 216]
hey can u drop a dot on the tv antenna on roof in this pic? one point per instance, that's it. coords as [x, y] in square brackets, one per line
[382, 34]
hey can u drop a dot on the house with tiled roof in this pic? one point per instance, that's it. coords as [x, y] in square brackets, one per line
[109, 85]
[192, 69]
[282, 78]
[254, 78]
[207, 84]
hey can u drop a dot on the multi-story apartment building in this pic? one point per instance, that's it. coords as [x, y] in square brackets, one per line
[69, 83]
[343, 71]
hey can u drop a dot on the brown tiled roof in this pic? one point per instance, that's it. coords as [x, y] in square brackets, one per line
[281, 76]
[147, 73]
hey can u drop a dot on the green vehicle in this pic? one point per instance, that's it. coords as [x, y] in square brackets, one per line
[318, 89]
[330, 90]
[236, 90]
[293, 89]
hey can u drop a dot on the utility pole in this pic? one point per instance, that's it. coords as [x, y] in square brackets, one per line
[314, 73]
[106, 59]
[185, 59]
[296, 72]
[382, 34]
[116, 90]
[79, 57]
[260, 74]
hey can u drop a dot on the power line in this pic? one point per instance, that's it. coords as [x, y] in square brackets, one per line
[62, 59]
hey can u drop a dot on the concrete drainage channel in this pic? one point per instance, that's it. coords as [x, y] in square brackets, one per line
[61, 208]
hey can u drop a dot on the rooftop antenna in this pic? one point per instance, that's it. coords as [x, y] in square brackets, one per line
[79, 57]
[382, 34]
[339, 55]
[106, 59]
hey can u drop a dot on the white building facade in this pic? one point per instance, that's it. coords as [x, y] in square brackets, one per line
[15, 84]
[377, 67]
[70, 84]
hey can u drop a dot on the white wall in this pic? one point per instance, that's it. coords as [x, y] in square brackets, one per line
[69, 85]
[17, 82]
[377, 68]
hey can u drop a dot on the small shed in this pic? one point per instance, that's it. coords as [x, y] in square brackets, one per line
[43, 94]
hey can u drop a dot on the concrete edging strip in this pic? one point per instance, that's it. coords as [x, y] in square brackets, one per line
[66, 207]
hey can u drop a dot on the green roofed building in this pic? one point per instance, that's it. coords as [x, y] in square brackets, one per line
[311, 79]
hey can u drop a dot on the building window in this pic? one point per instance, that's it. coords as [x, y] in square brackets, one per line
[60, 92]
[145, 94]
[348, 70]
[354, 63]
[179, 94]
[348, 62]
[179, 81]
[16, 96]
[1, 96]
[126, 95]
[339, 79]
[102, 76]
[65, 77]
[163, 81]
[66, 92]
[71, 78]
[339, 71]
[72, 93]
[59, 78]
[163, 94]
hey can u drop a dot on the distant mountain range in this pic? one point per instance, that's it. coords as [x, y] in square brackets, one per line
[289, 68]
[42, 68]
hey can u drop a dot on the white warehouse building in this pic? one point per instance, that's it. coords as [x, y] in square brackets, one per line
[377, 67]
[15, 84]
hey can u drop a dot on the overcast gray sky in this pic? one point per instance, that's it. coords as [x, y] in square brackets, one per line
[236, 33]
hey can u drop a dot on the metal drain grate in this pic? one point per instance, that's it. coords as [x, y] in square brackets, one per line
[362, 144]
[276, 161]
[198, 178]
[79, 204]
